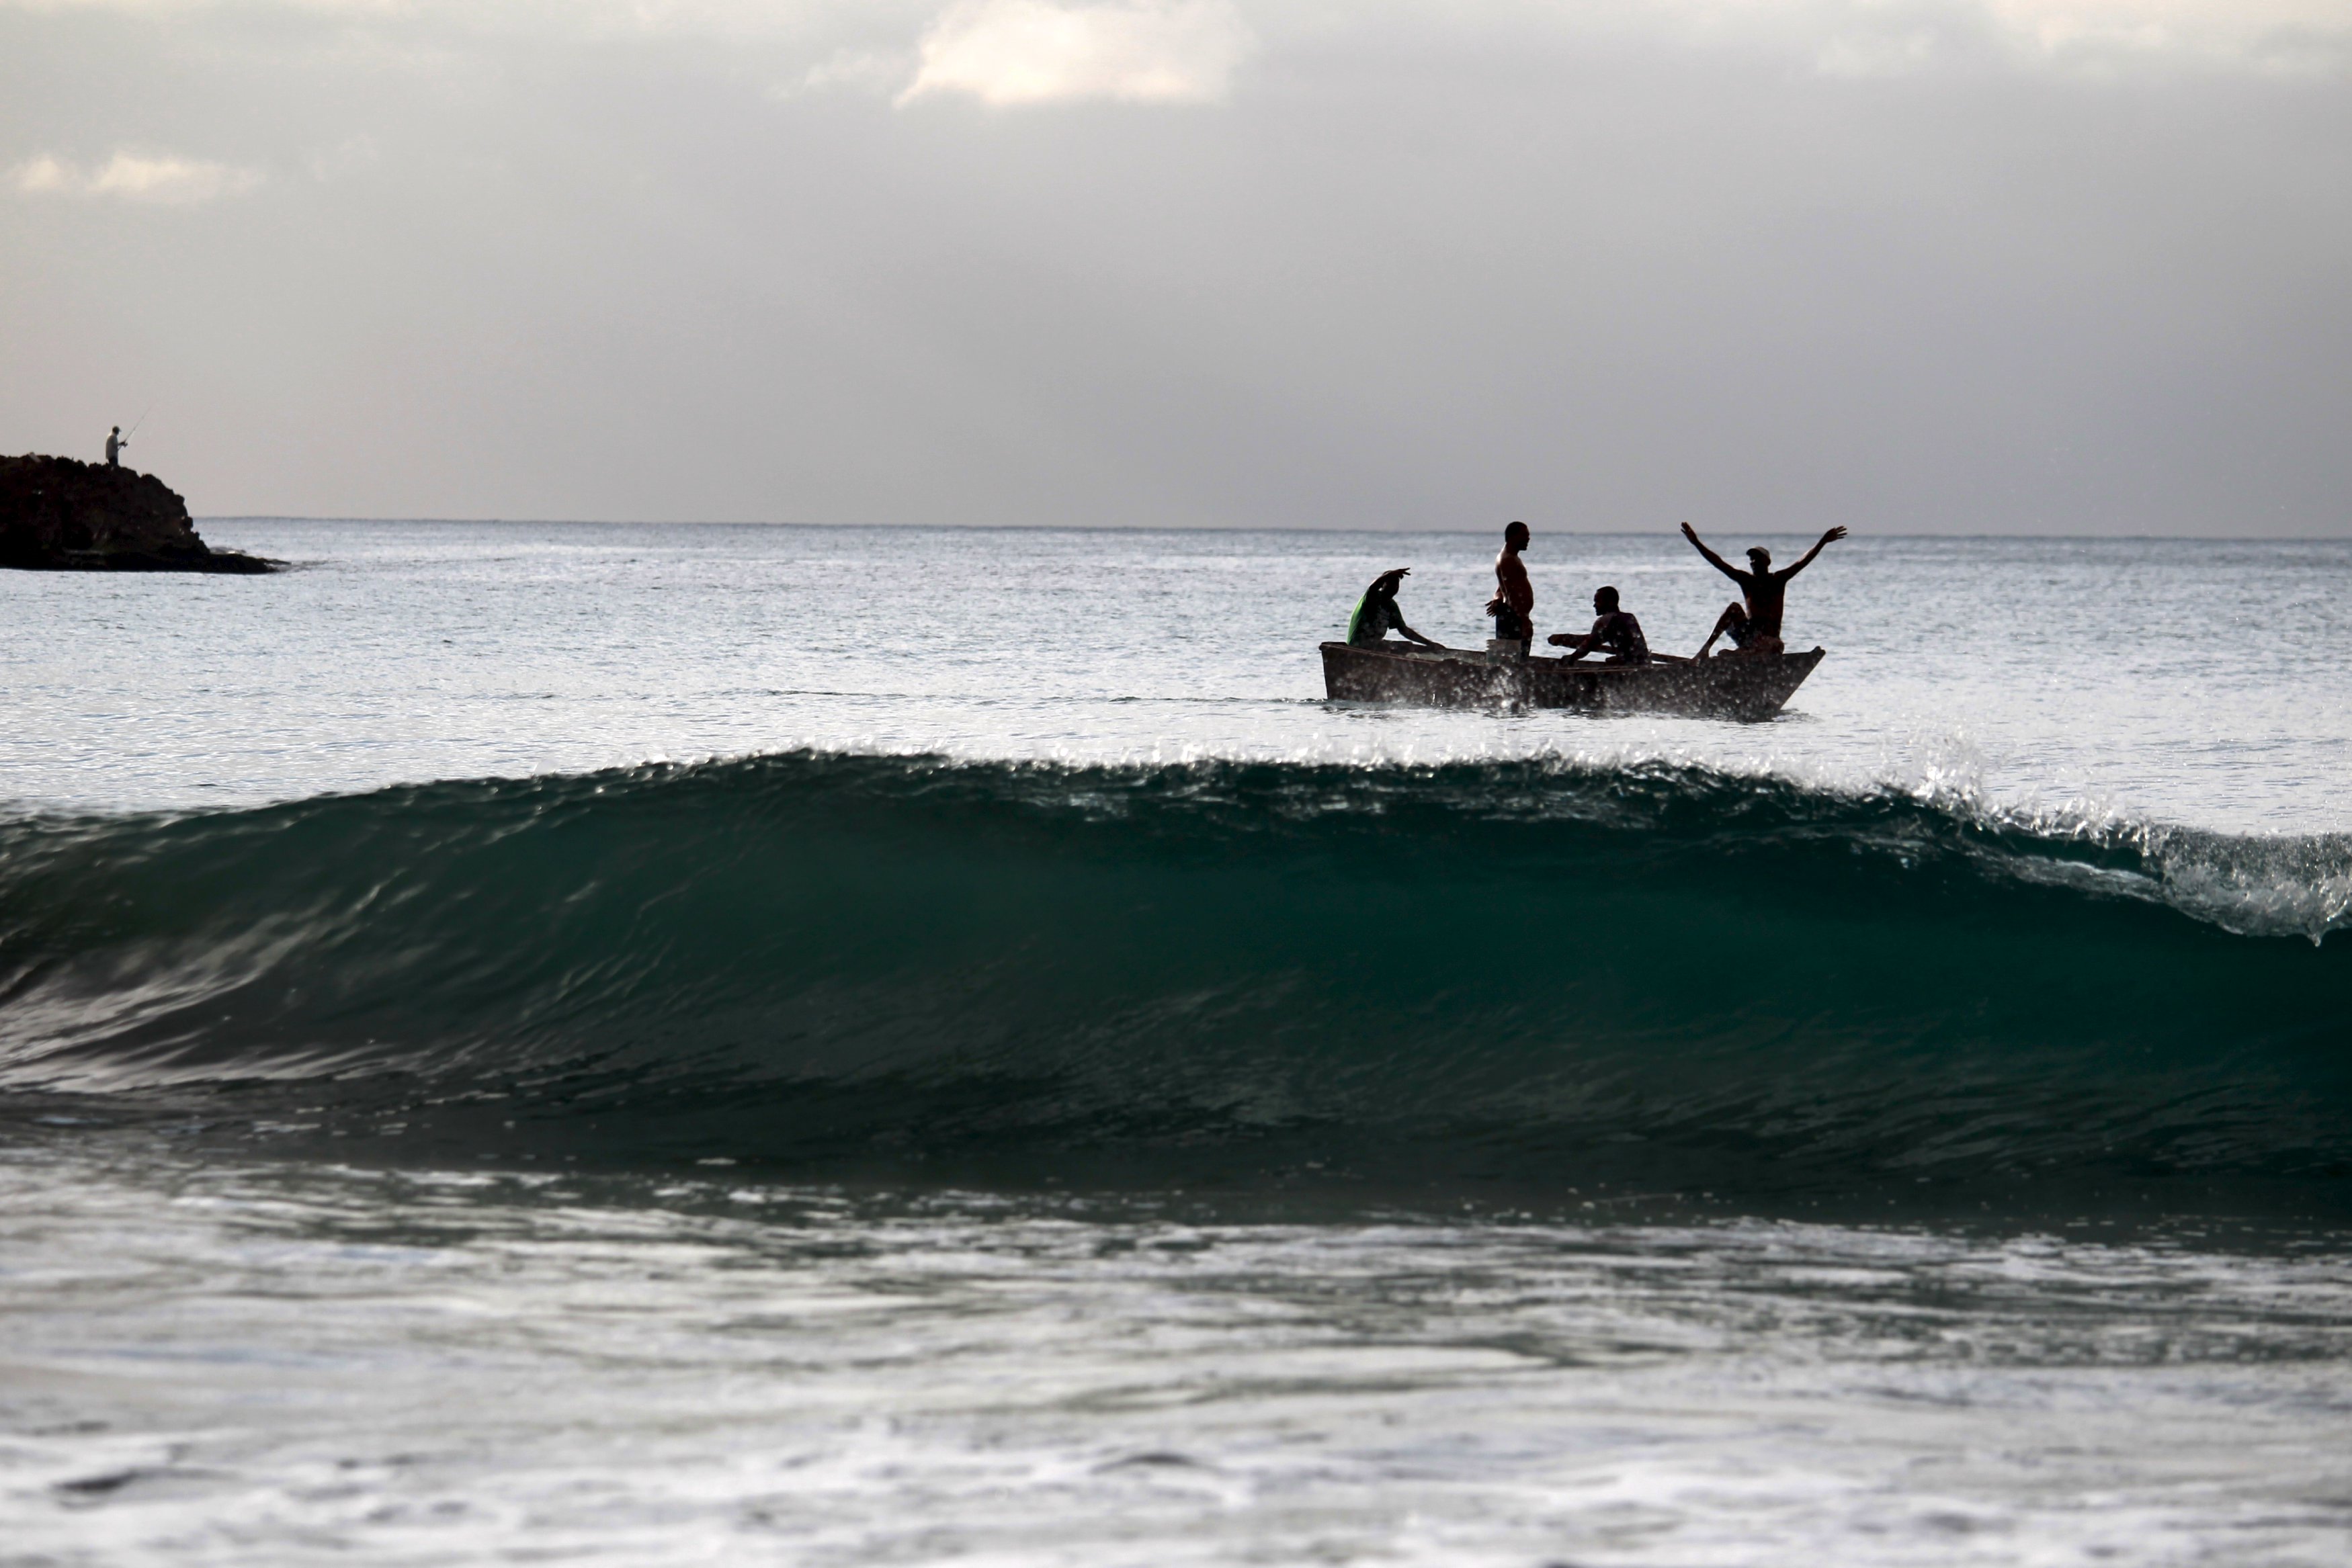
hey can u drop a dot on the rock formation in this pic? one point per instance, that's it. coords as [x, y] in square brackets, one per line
[58, 515]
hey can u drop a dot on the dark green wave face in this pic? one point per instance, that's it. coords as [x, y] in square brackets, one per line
[1510, 977]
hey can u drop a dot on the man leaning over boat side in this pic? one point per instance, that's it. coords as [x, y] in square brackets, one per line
[1377, 611]
[1755, 627]
[1614, 632]
[1513, 604]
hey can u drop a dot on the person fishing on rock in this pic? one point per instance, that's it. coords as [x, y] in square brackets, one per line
[1513, 604]
[1376, 614]
[1755, 627]
[115, 443]
[1615, 632]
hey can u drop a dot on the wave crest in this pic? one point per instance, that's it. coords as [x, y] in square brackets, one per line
[1516, 968]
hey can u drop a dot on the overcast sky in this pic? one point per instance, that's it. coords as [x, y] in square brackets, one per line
[1948, 265]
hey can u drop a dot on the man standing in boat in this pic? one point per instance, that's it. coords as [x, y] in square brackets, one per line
[1513, 604]
[1755, 627]
[1377, 613]
[1615, 632]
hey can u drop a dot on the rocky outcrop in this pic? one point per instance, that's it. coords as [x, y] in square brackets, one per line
[58, 515]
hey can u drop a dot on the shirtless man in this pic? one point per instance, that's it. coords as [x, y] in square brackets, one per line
[1616, 634]
[1377, 613]
[1755, 628]
[1513, 604]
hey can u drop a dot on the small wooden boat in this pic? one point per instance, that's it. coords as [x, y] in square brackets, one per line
[1728, 688]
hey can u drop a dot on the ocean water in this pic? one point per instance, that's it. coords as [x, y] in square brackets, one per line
[566, 1042]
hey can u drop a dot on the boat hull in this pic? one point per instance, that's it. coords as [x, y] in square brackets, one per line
[1729, 687]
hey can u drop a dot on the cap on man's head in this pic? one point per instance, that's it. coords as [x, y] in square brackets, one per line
[1757, 552]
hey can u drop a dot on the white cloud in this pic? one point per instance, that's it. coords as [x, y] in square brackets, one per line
[1006, 52]
[42, 176]
[163, 180]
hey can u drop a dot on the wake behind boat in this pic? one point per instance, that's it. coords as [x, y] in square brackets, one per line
[1746, 687]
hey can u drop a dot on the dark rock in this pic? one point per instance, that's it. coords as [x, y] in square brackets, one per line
[58, 515]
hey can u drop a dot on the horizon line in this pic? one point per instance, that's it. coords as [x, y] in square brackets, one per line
[1231, 528]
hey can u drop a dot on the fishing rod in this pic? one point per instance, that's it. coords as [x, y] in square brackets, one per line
[139, 420]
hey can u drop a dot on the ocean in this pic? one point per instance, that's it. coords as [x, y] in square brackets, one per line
[566, 1042]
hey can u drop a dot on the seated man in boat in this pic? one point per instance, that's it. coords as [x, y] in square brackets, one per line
[1513, 604]
[1755, 627]
[1376, 612]
[1616, 634]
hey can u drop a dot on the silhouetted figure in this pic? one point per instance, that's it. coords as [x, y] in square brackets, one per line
[1755, 627]
[1376, 612]
[1513, 604]
[1616, 634]
[114, 445]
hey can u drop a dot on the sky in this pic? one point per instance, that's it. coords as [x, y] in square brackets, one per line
[2064, 266]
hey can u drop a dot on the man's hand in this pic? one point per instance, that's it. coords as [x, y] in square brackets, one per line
[1835, 533]
[1691, 533]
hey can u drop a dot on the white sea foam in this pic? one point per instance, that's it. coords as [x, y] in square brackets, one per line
[215, 1364]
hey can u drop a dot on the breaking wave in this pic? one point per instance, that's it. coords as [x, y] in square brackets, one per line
[1550, 976]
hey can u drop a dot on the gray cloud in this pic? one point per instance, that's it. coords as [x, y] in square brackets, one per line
[2064, 266]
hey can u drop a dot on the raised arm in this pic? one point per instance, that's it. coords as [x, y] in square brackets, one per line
[1714, 560]
[1806, 559]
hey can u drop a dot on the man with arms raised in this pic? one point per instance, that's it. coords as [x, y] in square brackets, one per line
[1513, 604]
[1755, 627]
